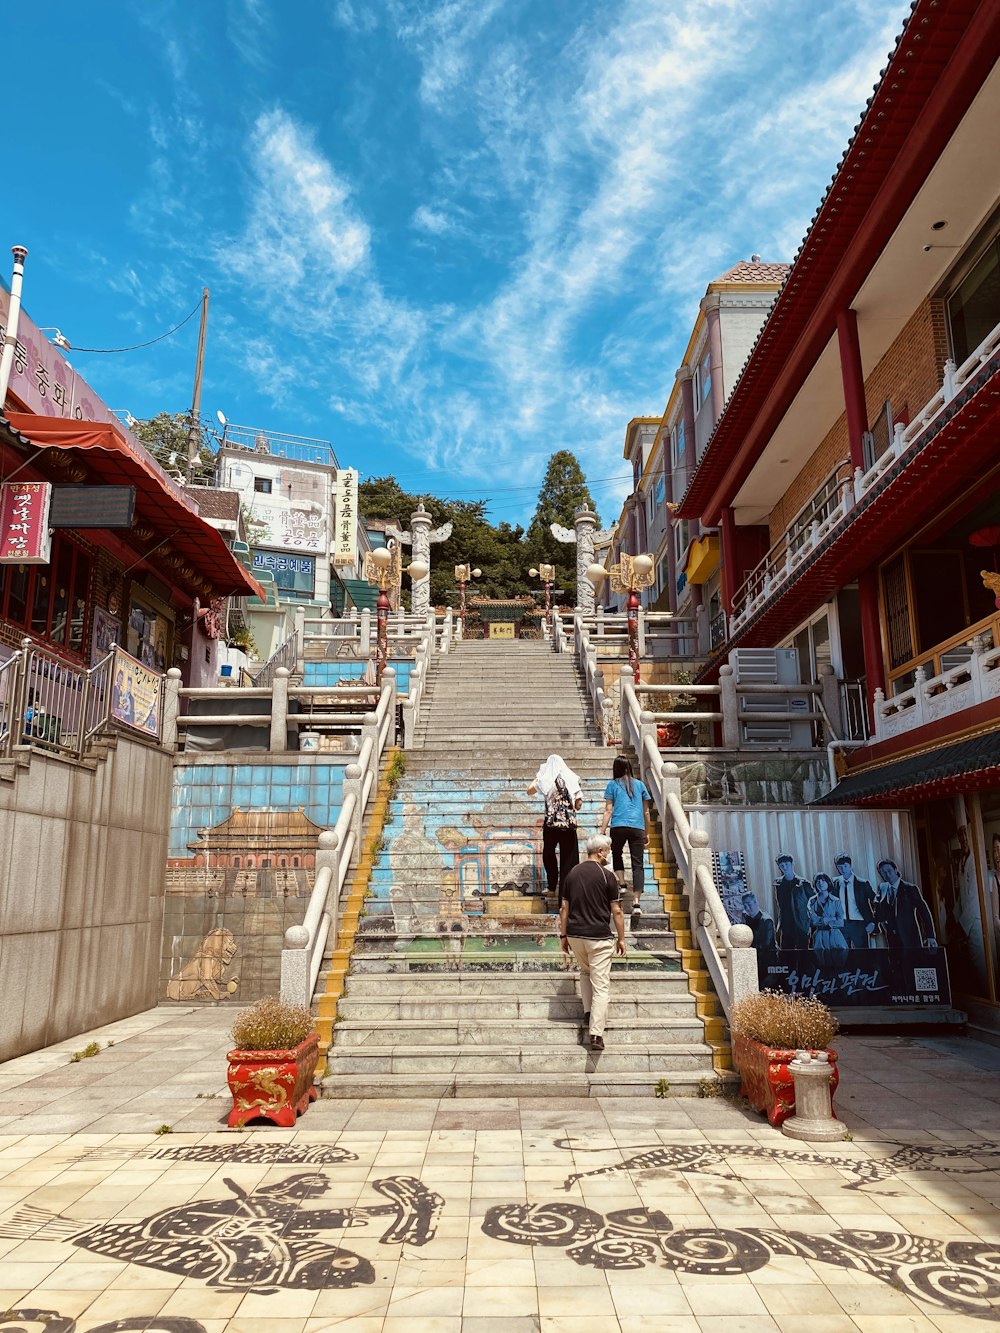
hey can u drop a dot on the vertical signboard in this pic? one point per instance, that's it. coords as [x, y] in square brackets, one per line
[24, 522]
[345, 539]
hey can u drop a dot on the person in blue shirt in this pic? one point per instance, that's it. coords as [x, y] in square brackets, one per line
[626, 812]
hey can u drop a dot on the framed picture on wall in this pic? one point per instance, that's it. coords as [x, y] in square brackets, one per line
[106, 631]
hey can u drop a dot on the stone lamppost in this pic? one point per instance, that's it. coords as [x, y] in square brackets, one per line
[585, 536]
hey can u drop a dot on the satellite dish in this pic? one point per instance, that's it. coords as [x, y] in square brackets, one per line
[222, 420]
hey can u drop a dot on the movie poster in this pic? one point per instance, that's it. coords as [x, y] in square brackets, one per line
[135, 694]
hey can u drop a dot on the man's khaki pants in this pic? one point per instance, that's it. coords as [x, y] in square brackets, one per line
[593, 957]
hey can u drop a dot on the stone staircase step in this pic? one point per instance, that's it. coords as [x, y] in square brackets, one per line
[570, 1057]
[449, 1001]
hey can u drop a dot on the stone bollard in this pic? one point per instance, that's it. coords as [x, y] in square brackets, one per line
[813, 1120]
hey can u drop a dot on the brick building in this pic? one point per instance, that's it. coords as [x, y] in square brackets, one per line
[854, 475]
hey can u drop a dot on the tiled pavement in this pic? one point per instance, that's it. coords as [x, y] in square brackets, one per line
[562, 1216]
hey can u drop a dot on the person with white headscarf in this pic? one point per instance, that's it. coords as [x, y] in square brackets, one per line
[560, 787]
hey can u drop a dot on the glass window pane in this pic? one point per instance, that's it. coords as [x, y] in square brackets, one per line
[40, 601]
[974, 309]
[81, 586]
[62, 568]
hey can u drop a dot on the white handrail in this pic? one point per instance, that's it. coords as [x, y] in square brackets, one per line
[726, 949]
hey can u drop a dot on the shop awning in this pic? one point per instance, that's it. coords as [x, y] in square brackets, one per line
[362, 593]
[703, 559]
[966, 765]
[189, 542]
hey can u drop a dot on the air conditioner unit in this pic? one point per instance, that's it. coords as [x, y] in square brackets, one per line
[755, 669]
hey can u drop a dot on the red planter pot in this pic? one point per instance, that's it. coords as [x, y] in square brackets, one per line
[275, 1085]
[765, 1080]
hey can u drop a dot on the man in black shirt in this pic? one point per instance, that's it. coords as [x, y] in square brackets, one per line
[589, 904]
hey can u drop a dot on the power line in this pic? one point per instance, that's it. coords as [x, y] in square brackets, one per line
[138, 346]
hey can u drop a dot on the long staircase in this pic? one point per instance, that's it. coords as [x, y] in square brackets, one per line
[455, 984]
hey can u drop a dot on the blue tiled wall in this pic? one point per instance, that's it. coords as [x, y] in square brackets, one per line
[205, 794]
[330, 673]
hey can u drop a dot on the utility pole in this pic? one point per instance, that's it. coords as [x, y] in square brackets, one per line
[194, 429]
[13, 314]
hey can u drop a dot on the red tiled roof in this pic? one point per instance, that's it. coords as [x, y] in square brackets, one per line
[750, 270]
[212, 503]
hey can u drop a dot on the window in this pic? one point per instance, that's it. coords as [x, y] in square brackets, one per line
[680, 541]
[262, 485]
[974, 306]
[704, 378]
[50, 600]
[677, 446]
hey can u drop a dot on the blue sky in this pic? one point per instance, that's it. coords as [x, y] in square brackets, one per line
[450, 236]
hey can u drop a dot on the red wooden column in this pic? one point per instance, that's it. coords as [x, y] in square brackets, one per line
[853, 378]
[727, 534]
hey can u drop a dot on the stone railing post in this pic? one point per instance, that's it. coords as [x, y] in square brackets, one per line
[279, 711]
[729, 701]
[698, 856]
[295, 956]
[353, 783]
[171, 707]
[641, 630]
[878, 702]
[741, 964]
[300, 641]
[389, 678]
[365, 632]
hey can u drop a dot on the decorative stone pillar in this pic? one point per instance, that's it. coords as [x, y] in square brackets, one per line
[813, 1120]
[420, 538]
[585, 523]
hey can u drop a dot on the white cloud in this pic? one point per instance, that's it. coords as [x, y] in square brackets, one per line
[432, 220]
[302, 223]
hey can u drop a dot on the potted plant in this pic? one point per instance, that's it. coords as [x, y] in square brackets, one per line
[767, 1030]
[271, 1070]
[670, 732]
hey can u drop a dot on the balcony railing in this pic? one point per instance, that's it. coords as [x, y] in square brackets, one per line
[842, 490]
[951, 678]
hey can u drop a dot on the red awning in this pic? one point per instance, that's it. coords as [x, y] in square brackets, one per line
[160, 502]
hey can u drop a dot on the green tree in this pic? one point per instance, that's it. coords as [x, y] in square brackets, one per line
[564, 490]
[166, 438]
[497, 551]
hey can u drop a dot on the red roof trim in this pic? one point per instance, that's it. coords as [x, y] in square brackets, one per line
[157, 499]
[942, 58]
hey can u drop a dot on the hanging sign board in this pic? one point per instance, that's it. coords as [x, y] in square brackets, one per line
[92, 507]
[345, 537]
[25, 538]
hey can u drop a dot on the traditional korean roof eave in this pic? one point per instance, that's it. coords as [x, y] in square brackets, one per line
[943, 55]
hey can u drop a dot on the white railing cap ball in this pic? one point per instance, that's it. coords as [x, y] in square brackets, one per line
[698, 838]
[296, 937]
[740, 937]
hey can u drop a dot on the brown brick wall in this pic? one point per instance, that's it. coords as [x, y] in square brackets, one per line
[908, 375]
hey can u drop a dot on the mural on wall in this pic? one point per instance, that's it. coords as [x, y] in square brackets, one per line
[283, 1234]
[204, 977]
[240, 869]
[460, 883]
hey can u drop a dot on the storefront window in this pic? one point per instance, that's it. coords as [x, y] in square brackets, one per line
[989, 804]
[50, 600]
[957, 903]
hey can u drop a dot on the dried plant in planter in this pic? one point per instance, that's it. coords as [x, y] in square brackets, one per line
[784, 1022]
[271, 1071]
[270, 1025]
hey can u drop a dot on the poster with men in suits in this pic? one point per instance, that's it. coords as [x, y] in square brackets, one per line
[852, 934]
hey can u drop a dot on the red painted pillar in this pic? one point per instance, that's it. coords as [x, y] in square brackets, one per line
[727, 533]
[853, 378]
[854, 383]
